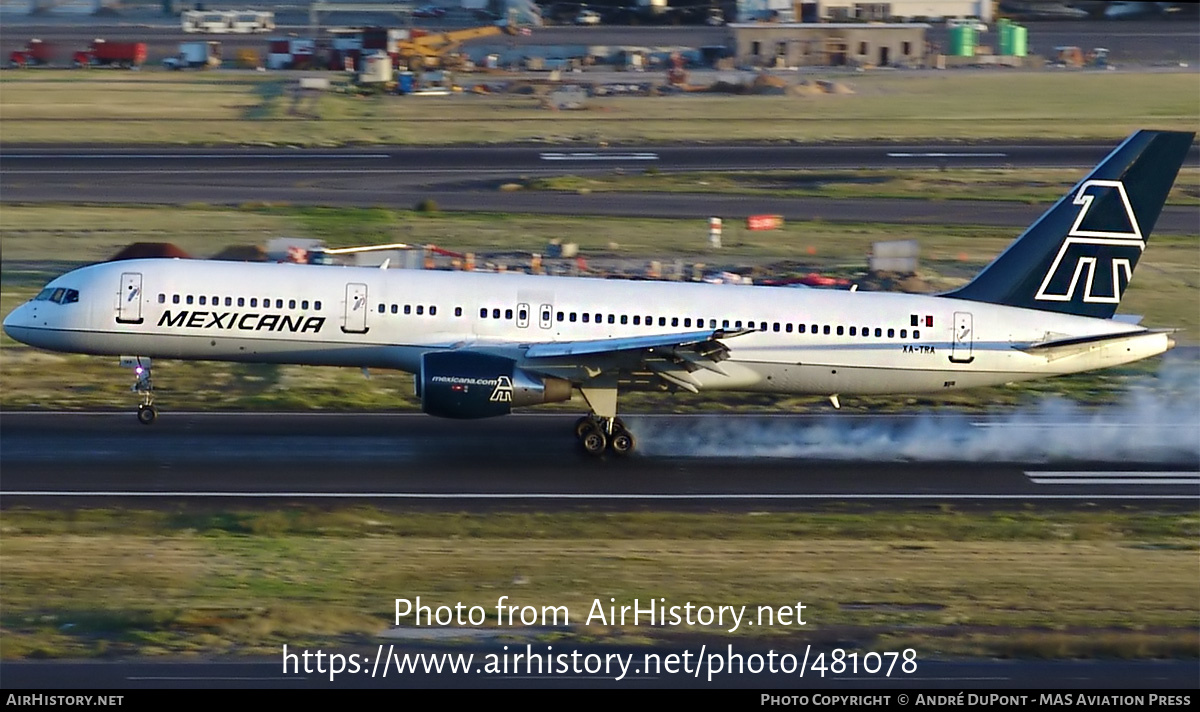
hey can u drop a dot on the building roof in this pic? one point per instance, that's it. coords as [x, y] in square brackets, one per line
[828, 25]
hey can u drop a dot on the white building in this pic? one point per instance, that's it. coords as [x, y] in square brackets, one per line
[849, 10]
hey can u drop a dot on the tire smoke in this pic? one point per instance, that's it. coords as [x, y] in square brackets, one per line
[1157, 420]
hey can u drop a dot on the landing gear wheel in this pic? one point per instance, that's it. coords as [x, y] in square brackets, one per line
[582, 425]
[594, 442]
[147, 414]
[622, 442]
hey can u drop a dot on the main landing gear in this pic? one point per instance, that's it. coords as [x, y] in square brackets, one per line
[144, 387]
[602, 430]
[597, 435]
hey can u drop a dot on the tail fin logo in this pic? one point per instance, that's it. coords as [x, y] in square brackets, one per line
[1102, 246]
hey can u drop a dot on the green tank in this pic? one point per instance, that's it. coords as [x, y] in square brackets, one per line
[962, 41]
[1020, 41]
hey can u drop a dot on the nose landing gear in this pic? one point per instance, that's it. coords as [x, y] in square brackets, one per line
[143, 386]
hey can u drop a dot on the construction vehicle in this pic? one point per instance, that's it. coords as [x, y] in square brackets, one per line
[1068, 56]
[195, 55]
[438, 50]
[35, 54]
[110, 54]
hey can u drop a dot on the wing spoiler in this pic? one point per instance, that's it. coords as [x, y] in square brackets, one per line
[631, 343]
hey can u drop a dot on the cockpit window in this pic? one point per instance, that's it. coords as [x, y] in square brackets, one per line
[58, 295]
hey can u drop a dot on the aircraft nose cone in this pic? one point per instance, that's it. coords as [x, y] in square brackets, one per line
[14, 322]
[10, 320]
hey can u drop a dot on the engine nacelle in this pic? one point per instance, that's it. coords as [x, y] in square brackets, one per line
[467, 384]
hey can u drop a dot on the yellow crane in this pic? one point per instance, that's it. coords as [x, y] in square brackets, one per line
[439, 50]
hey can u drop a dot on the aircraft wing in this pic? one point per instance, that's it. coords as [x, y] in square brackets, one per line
[670, 357]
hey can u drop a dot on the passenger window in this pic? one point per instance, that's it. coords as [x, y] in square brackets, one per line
[737, 324]
[215, 301]
[674, 321]
[522, 315]
[712, 323]
[839, 331]
[878, 332]
[201, 301]
[775, 327]
[162, 299]
[904, 333]
[853, 330]
[560, 316]
[482, 312]
[304, 305]
[572, 317]
[174, 298]
[317, 305]
[916, 334]
[788, 327]
[762, 326]
[687, 321]
[508, 314]
[826, 330]
[815, 329]
[395, 308]
[382, 308]
[253, 301]
[228, 301]
[189, 299]
[420, 309]
[495, 313]
[432, 311]
[457, 311]
[278, 303]
[891, 333]
[725, 324]
[800, 328]
[291, 304]
[241, 301]
[637, 320]
[662, 321]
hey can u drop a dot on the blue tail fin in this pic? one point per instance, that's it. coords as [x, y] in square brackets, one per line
[1079, 256]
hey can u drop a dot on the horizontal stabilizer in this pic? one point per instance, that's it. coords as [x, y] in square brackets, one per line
[1061, 348]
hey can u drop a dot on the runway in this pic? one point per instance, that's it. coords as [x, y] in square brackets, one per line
[469, 179]
[107, 459]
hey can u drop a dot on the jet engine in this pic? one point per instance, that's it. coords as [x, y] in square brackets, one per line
[467, 384]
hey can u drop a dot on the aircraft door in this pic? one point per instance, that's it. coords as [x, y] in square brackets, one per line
[356, 309]
[129, 301]
[546, 316]
[523, 316]
[964, 337]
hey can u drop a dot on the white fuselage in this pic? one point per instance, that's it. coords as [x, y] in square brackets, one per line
[803, 340]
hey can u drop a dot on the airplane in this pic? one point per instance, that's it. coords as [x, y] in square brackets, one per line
[481, 344]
